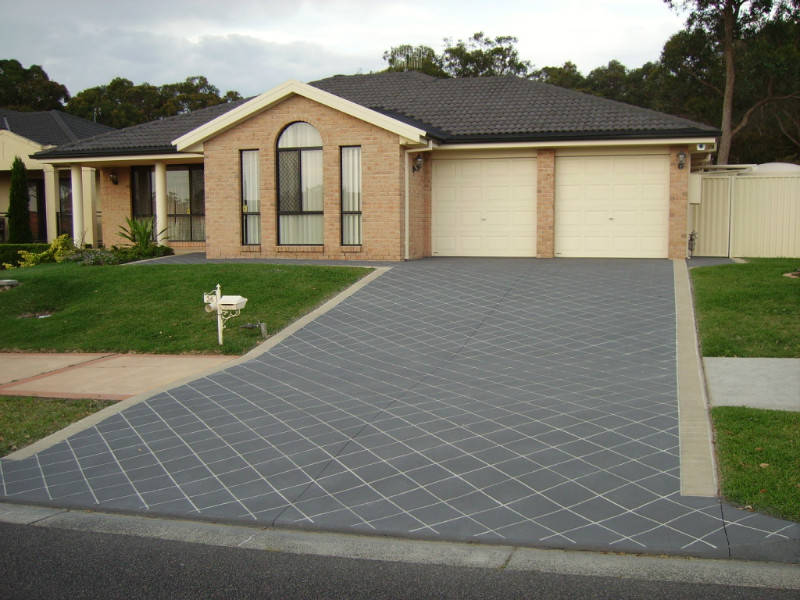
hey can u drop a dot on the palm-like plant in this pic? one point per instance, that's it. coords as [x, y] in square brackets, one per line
[139, 232]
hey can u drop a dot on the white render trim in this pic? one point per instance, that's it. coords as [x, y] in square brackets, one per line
[196, 137]
[128, 158]
[574, 144]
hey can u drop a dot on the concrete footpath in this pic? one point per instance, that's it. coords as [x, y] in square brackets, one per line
[100, 376]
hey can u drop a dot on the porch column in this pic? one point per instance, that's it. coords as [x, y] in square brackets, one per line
[51, 201]
[161, 202]
[78, 229]
[89, 198]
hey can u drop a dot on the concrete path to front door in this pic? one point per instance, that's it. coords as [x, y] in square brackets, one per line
[510, 401]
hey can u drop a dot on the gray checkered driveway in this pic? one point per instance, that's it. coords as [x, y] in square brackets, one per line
[510, 401]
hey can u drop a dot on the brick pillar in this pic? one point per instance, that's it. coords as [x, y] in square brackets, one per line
[545, 203]
[678, 202]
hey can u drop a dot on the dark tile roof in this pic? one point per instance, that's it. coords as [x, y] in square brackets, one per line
[51, 127]
[482, 109]
[154, 137]
[503, 108]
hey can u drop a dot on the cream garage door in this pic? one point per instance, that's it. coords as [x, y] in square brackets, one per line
[612, 206]
[484, 207]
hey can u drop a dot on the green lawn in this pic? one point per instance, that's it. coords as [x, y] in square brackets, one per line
[749, 310]
[759, 458]
[24, 420]
[156, 308]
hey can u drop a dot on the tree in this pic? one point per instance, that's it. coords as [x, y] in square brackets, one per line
[19, 224]
[414, 58]
[121, 103]
[29, 89]
[727, 25]
[566, 76]
[482, 56]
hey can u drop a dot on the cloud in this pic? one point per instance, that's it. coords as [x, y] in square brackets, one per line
[252, 45]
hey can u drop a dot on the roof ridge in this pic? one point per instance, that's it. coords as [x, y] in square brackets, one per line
[62, 125]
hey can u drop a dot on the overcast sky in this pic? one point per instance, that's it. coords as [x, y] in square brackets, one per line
[250, 45]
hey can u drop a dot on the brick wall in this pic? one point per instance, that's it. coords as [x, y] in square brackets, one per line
[678, 202]
[545, 203]
[419, 206]
[383, 190]
[116, 203]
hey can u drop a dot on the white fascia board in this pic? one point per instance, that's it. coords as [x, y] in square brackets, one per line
[577, 143]
[233, 117]
[130, 158]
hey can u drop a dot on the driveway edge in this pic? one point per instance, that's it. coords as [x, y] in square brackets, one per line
[265, 346]
[698, 465]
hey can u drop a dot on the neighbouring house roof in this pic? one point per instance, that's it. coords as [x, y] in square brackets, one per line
[154, 137]
[50, 127]
[478, 109]
[491, 109]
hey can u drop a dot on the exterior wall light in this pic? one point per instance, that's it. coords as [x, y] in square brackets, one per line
[418, 162]
[112, 177]
[681, 159]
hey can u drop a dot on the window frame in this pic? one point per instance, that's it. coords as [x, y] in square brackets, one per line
[279, 213]
[249, 213]
[342, 211]
[189, 168]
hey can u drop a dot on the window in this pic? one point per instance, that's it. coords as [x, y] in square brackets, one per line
[251, 206]
[143, 195]
[351, 196]
[186, 221]
[300, 194]
[64, 214]
[186, 204]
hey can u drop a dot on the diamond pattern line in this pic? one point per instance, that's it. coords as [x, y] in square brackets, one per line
[222, 483]
[486, 464]
[83, 474]
[3, 478]
[157, 459]
[297, 466]
[44, 479]
[537, 491]
[388, 499]
[750, 516]
[397, 471]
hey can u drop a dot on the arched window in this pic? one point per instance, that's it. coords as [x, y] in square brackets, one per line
[300, 197]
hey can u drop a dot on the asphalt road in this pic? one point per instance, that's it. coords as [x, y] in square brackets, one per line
[55, 563]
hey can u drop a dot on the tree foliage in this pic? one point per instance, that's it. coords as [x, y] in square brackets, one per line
[19, 224]
[122, 103]
[728, 28]
[29, 89]
[478, 56]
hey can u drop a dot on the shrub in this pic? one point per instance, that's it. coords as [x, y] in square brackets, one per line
[59, 250]
[9, 253]
[19, 224]
[139, 232]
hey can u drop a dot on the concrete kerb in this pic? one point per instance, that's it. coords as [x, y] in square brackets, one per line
[266, 346]
[460, 554]
[698, 465]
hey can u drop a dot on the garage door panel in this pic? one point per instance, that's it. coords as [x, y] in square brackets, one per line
[612, 206]
[494, 204]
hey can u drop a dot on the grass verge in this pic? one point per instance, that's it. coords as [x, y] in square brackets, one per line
[759, 458]
[24, 420]
[748, 310]
[156, 308]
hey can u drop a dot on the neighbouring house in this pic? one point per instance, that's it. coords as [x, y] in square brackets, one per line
[394, 166]
[50, 187]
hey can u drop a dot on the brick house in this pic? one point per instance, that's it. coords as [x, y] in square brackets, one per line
[394, 166]
[50, 189]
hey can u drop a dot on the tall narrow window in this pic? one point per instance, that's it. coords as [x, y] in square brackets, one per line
[300, 197]
[351, 196]
[186, 203]
[251, 205]
[143, 196]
